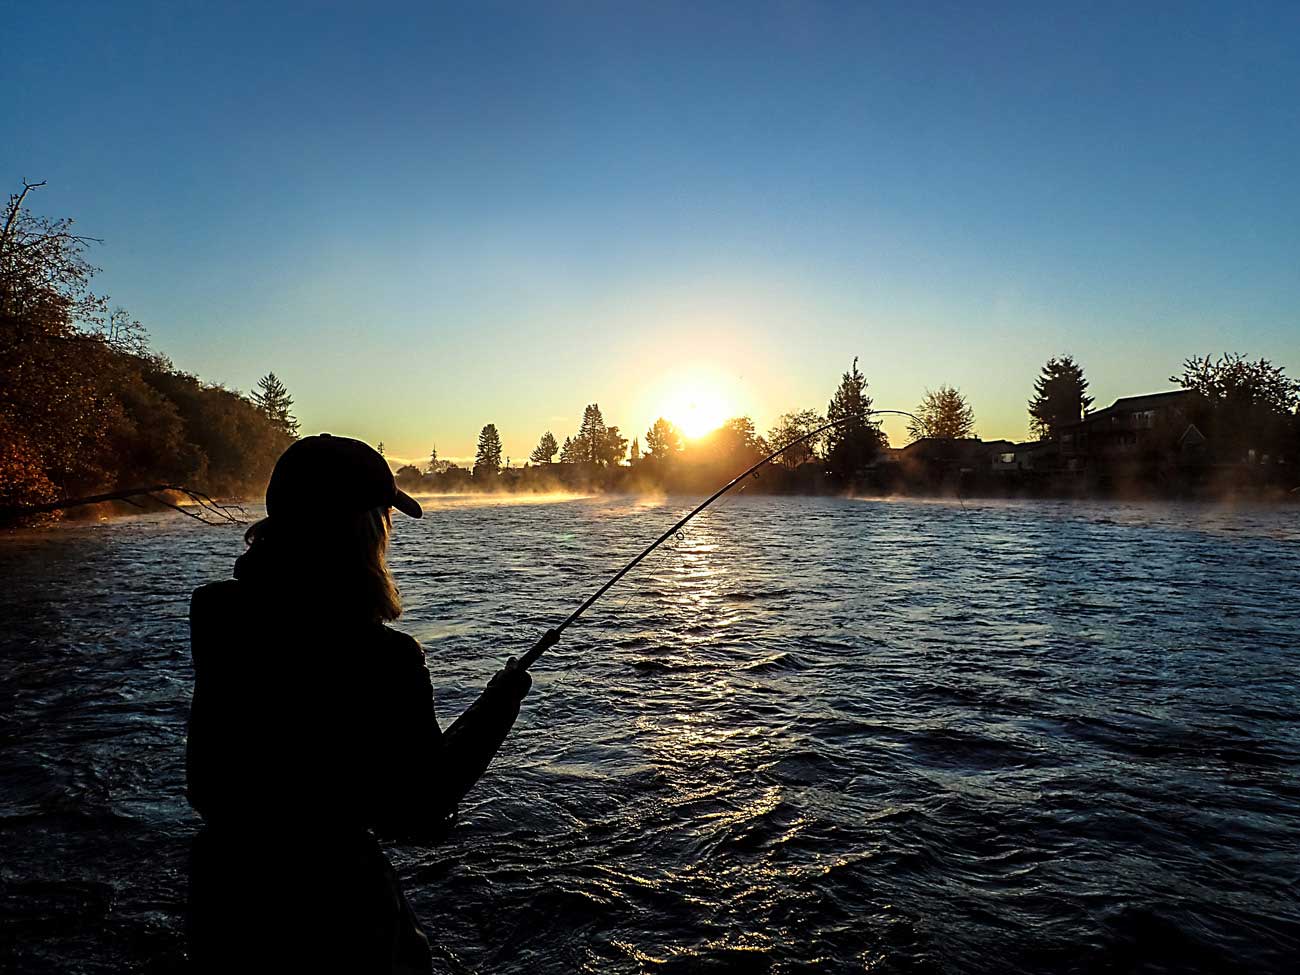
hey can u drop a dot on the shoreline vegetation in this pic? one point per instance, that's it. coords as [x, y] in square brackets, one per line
[88, 409]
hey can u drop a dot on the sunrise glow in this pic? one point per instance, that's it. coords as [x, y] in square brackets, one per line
[696, 410]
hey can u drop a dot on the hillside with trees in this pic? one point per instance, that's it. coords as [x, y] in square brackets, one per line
[87, 408]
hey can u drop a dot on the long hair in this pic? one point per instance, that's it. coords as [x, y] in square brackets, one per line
[340, 564]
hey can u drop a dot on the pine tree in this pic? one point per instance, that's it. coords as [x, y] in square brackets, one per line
[590, 442]
[487, 459]
[568, 453]
[273, 399]
[545, 450]
[854, 443]
[380, 447]
[613, 447]
[943, 414]
[1060, 397]
[636, 451]
[433, 460]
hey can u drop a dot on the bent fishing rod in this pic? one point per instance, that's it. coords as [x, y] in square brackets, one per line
[552, 636]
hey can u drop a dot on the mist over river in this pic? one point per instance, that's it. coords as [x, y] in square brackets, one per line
[811, 735]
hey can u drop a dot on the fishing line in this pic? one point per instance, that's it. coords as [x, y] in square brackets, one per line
[552, 636]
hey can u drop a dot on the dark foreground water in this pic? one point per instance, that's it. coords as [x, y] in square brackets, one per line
[815, 735]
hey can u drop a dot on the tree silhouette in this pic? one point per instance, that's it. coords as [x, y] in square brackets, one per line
[87, 410]
[545, 450]
[854, 443]
[1246, 405]
[433, 460]
[380, 447]
[943, 414]
[590, 441]
[789, 428]
[663, 441]
[635, 453]
[613, 447]
[1060, 397]
[1233, 380]
[273, 399]
[569, 452]
[487, 459]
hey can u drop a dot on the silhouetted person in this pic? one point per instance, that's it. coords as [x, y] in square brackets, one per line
[312, 732]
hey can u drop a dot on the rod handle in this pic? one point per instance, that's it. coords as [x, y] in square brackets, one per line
[549, 639]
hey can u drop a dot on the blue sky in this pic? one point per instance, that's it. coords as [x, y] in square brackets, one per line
[426, 217]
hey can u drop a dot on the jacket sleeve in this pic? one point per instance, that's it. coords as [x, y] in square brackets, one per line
[430, 770]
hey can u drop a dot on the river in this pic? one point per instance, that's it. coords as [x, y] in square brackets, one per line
[810, 735]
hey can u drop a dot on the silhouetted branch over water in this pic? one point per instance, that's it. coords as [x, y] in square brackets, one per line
[202, 507]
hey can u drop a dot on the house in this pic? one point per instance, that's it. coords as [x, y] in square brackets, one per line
[1135, 433]
[1130, 424]
[1028, 456]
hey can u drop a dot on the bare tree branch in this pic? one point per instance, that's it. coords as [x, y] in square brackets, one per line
[209, 511]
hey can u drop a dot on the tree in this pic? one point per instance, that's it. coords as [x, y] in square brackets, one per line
[1233, 380]
[1060, 397]
[432, 466]
[635, 454]
[408, 477]
[943, 414]
[545, 450]
[856, 439]
[663, 441]
[487, 459]
[86, 409]
[569, 452]
[57, 379]
[1248, 405]
[613, 447]
[590, 441]
[273, 399]
[789, 428]
[738, 441]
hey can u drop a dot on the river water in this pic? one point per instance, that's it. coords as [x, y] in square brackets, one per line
[811, 735]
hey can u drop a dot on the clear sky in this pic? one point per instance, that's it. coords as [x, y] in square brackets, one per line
[425, 217]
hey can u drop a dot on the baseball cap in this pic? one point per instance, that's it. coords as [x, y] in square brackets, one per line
[326, 475]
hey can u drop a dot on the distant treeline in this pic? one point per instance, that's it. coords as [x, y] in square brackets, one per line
[1237, 425]
[599, 457]
[86, 407]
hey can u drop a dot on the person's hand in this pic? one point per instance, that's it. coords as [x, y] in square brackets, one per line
[512, 679]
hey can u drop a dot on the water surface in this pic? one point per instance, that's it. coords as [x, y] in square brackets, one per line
[813, 735]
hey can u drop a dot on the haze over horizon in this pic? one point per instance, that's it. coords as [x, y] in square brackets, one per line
[428, 219]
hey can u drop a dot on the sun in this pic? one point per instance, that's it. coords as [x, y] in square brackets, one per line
[696, 410]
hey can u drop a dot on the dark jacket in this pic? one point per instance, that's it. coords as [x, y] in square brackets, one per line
[309, 734]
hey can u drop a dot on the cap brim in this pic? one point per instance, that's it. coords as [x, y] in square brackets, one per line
[407, 505]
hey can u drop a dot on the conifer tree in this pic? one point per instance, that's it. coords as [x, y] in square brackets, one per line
[545, 450]
[613, 447]
[273, 399]
[590, 442]
[854, 443]
[1060, 397]
[487, 459]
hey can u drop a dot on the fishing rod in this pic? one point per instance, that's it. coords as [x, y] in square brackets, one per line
[551, 637]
